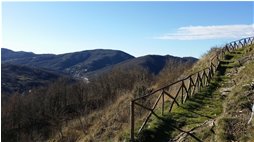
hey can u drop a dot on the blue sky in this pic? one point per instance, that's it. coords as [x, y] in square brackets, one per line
[138, 28]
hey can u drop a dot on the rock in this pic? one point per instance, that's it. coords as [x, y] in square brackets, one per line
[249, 86]
[226, 90]
[252, 85]
[224, 94]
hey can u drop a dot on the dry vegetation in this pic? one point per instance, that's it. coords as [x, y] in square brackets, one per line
[172, 72]
[204, 60]
[42, 113]
[70, 110]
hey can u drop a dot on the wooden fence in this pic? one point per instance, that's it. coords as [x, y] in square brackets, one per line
[184, 88]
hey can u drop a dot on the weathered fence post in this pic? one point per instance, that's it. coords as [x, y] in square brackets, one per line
[182, 92]
[162, 104]
[189, 88]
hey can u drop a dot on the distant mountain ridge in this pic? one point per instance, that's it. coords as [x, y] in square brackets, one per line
[25, 70]
[155, 63]
[75, 64]
[7, 54]
[90, 62]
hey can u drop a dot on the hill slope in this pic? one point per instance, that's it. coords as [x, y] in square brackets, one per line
[17, 78]
[155, 63]
[219, 112]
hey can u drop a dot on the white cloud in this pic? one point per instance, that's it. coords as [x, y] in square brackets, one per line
[210, 32]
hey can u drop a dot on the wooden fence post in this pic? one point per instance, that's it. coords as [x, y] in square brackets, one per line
[193, 86]
[199, 82]
[189, 88]
[241, 43]
[182, 93]
[162, 104]
[245, 42]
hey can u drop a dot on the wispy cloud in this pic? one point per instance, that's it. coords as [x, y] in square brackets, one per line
[210, 32]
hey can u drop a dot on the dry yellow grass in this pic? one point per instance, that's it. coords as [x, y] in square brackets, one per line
[107, 124]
